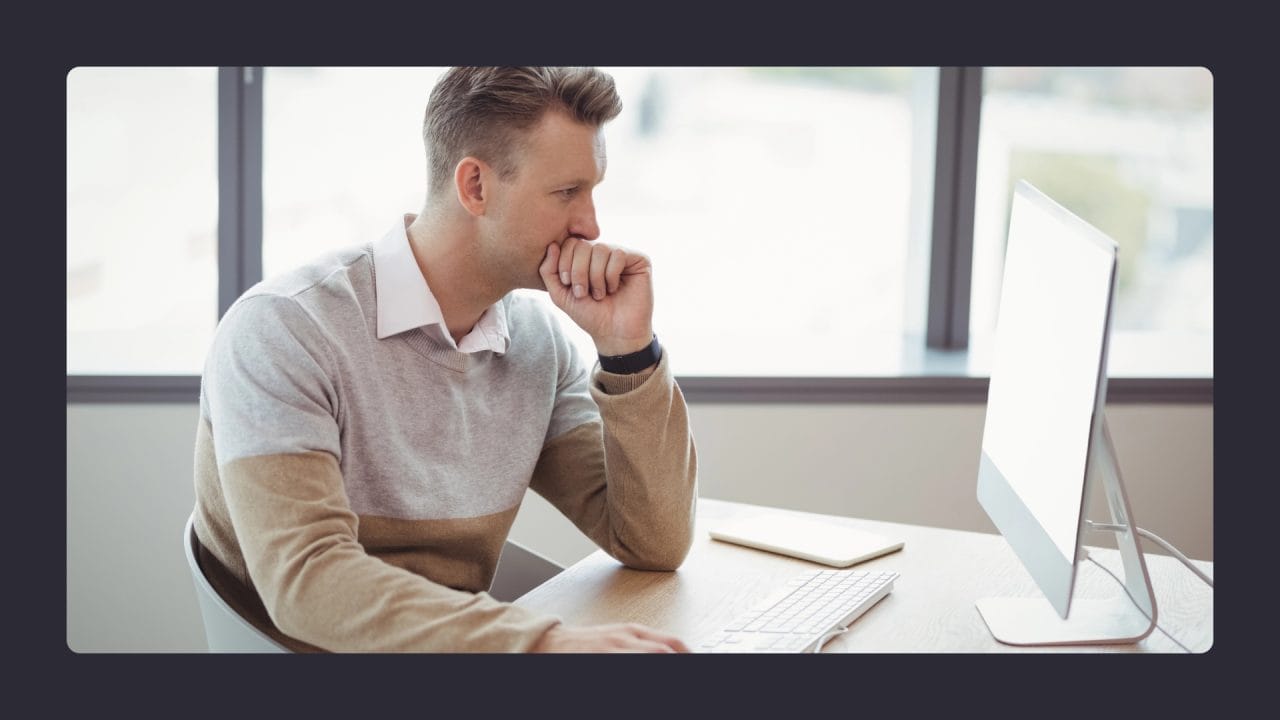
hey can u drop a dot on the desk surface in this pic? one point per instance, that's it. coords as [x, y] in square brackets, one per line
[931, 609]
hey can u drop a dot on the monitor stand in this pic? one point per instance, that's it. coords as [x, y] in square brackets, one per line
[1033, 621]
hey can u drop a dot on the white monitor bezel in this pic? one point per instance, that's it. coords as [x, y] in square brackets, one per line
[1055, 619]
[1053, 572]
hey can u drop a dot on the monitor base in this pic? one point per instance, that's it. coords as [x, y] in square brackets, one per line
[1033, 621]
[1122, 619]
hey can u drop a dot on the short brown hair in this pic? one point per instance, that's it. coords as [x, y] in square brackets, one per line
[483, 111]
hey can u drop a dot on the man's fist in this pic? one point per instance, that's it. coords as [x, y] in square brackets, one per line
[605, 289]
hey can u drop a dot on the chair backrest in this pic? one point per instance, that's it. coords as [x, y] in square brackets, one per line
[225, 630]
[519, 571]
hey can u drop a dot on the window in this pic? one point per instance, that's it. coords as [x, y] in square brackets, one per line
[788, 211]
[776, 203]
[342, 157]
[777, 206]
[142, 216]
[1129, 150]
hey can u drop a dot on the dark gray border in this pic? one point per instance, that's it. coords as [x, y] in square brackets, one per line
[954, 193]
[696, 389]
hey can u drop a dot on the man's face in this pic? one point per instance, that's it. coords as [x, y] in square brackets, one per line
[549, 200]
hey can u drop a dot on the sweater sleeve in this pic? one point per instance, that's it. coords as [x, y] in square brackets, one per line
[627, 479]
[269, 392]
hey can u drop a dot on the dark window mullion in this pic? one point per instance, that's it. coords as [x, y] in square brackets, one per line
[239, 182]
[955, 185]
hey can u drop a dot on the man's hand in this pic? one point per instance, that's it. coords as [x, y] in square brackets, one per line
[606, 290]
[622, 637]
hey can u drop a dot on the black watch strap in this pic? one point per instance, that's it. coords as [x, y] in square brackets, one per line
[632, 363]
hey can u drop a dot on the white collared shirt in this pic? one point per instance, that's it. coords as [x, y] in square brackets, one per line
[405, 302]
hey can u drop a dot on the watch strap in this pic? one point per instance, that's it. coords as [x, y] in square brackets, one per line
[632, 363]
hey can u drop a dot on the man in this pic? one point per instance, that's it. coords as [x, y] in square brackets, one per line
[370, 422]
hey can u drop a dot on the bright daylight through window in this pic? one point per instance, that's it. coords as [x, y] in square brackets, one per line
[1130, 150]
[777, 203]
[142, 220]
[788, 211]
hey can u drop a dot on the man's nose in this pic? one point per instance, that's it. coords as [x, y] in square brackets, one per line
[584, 223]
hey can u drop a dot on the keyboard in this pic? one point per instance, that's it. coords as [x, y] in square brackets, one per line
[807, 610]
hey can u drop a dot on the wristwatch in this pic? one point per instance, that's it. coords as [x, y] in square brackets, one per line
[632, 363]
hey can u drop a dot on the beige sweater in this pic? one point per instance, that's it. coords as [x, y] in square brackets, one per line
[354, 493]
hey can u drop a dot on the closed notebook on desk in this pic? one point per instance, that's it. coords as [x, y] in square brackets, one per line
[816, 540]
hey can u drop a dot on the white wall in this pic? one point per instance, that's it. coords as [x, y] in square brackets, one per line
[130, 489]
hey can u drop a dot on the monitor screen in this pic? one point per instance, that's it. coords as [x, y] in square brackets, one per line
[1047, 385]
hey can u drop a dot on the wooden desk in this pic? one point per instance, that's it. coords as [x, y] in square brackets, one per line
[931, 609]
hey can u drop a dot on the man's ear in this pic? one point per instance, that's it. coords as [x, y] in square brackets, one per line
[470, 178]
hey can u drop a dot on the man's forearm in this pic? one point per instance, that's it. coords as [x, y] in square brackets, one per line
[298, 537]
[630, 482]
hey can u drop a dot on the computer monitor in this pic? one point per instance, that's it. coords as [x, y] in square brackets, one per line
[1045, 443]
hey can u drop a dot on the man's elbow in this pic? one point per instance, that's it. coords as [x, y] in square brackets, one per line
[671, 560]
[297, 593]
[289, 613]
[664, 557]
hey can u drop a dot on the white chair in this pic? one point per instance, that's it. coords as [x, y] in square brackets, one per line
[519, 571]
[224, 628]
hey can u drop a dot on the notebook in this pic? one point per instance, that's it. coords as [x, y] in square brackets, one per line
[809, 539]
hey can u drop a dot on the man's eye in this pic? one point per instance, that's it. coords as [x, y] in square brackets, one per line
[568, 192]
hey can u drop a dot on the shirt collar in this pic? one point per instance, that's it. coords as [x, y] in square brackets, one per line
[405, 302]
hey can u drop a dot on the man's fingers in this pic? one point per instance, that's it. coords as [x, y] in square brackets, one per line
[630, 642]
[550, 274]
[648, 646]
[565, 263]
[550, 263]
[617, 637]
[613, 270]
[584, 268]
[678, 645]
[579, 273]
[599, 260]
[673, 643]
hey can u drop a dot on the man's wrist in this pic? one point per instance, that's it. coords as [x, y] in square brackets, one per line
[614, 347]
[629, 363]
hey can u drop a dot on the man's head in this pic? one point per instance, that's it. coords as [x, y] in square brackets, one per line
[486, 112]
[520, 149]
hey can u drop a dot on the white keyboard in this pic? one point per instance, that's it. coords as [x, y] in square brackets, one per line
[808, 609]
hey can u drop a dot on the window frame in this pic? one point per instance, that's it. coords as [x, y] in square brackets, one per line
[939, 377]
